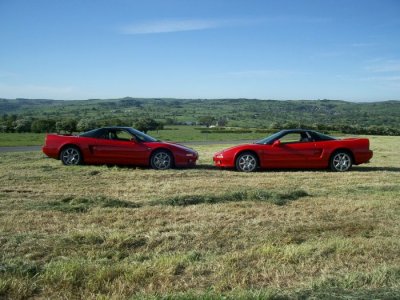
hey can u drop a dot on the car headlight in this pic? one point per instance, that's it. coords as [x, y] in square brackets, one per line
[219, 155]
[190, 154]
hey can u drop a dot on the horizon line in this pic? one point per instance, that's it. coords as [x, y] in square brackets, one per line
[193, 99]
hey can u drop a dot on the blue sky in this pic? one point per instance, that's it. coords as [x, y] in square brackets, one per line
[80, 49]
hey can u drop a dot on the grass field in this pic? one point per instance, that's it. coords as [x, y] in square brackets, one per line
[191, 133]
[21, 139]
[176, 133]
[107, 232]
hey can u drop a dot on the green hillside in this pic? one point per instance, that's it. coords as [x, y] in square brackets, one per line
[235, 112]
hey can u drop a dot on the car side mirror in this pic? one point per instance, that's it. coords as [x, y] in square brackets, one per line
[276, 143]
[133, 140]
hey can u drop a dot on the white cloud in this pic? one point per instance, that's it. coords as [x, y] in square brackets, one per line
[165, 26]
[384, 66]
[272, 73]
[382, 78]
[178, 25]
[329, 54]
[298, 19]
[362, 45]
[388, 82]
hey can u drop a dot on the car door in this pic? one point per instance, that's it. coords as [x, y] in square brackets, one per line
[292, 151]
[118, 147]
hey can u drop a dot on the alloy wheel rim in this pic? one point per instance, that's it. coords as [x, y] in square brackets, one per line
[71, 156]
[247, 163]
[162, 161]
[341, 162]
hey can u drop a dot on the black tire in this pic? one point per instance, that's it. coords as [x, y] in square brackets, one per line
[71, 156]
[341, 161]
[161, 160]
[246, 162]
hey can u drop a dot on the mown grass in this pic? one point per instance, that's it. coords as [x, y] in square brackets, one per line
[257, 195]
[79, 204]
[100, 232]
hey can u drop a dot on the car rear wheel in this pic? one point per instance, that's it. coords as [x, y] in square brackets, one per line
[341, 161]
[71, 156]
[161, 160]
[246, 162]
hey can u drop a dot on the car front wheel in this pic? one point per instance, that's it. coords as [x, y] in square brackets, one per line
[71, 156]
[161, 160]
[341, 161]
[246, 162]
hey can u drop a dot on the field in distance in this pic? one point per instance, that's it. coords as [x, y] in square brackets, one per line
[176, 133]
[112, 232]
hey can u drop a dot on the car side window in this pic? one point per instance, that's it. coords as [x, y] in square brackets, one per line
[306, 137]
[103, 135]
[296, 137]
[112, 135]
[123, 135]
[291, 138]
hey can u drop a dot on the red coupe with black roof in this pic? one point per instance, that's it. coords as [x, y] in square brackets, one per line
[118, 145]
[296, 148]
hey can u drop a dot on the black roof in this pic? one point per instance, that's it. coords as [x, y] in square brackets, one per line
[116, 127]
[297, 130]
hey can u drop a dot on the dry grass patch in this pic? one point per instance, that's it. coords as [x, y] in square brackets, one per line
[255, 195]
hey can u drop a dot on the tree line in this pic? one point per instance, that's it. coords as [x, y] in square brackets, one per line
[69, 125]
[15, 123]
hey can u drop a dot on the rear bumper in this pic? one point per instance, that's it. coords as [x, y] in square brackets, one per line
[364, 157]
[50, 151]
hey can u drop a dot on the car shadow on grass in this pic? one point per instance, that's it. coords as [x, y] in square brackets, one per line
[353, 169]
[207, 167]
[214, 168]
[375, 169]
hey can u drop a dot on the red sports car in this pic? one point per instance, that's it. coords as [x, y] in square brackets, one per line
[296, 148]
[118, 145]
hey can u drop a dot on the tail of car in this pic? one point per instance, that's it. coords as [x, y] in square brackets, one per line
[54, 142]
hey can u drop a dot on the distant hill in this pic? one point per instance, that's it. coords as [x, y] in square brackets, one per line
[238, 112]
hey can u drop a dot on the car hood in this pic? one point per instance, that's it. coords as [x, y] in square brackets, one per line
[235, 147]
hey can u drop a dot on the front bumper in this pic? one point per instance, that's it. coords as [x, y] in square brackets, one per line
[185, 161]
[222, 162]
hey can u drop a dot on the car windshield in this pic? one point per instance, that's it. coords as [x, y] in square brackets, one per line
[270, 138]
[142, 136]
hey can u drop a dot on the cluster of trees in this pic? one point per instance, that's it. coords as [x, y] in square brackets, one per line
[210, 120]
[246, 113]
[69, 125]
[15, 123]
[344, 128]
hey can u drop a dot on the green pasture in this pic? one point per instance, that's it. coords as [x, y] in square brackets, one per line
[170, 133]
[21, 139]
